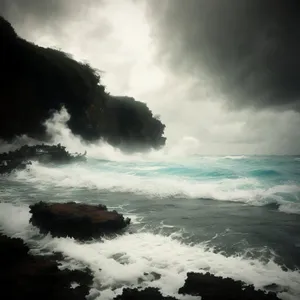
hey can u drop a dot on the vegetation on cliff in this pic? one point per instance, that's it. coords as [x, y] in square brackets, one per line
[38, 81]
[22, 157]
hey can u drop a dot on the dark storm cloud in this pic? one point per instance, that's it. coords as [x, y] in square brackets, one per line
[251, 48]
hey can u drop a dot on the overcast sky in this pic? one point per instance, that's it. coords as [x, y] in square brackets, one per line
[224, 75]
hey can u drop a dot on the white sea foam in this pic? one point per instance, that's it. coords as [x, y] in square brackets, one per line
[59, 132]
[235, 157]
[289, 207]
[247, 190]
[130, 259]
[149, 168]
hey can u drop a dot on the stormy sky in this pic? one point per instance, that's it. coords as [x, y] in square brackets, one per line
[224, 75]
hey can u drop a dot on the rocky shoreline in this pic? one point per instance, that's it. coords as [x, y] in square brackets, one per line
[22, 157]
[26, 276]
[211, 287]
[39, 277]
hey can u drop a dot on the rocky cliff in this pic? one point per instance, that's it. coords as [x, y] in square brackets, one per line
[37, 81]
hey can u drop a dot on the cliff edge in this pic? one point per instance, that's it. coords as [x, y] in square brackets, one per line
[37, 81]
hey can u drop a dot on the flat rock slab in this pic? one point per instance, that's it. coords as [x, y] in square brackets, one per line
[26, 276]
[211, 287]
[80, 221]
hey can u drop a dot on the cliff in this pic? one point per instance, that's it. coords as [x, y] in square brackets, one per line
[37, 81]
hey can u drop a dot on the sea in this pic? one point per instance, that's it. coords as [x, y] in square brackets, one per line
[233, 216]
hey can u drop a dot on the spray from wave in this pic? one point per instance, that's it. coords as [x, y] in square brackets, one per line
[127, 179]
[175, 171]
[56, 128]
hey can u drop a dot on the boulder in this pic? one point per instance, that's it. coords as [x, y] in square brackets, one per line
[80, 221]
[24, 276]
[211, 287]
[146, 294]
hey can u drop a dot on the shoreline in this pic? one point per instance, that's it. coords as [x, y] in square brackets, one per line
[77, 285]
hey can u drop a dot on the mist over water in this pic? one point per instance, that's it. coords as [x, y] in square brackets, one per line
[235, 216]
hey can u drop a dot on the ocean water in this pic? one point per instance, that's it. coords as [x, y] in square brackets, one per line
[236, 216]
[233, 216]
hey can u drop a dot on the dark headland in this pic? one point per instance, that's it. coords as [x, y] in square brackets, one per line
[38, 81]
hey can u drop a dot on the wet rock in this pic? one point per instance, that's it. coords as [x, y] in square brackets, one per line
[146, 294]
[273, 287]
[12, 250]
[80, 221]
[20, 158]
[210, 287]
[152, 276]
[24, 276]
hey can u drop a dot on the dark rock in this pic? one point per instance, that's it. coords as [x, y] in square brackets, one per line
[6, 31]
[275, 288]
[210, 287]
[146, 294]
[39, 81]
[12, 250]
[152, 275]
[20, 158]
[24, 276]
[81, 221]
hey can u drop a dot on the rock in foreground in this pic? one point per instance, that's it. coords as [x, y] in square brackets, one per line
[210, 287]
[24, 276]
[80, 221]
[146, 294]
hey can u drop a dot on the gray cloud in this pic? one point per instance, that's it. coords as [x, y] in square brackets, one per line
[247, 49]
[18, 10]
[28, 15]
[250, 49]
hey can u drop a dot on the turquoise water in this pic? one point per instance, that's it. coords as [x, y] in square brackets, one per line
[236, 216]
[253, 180]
